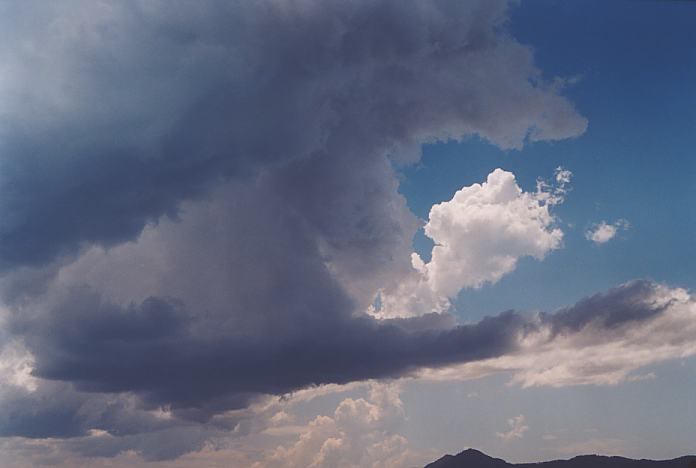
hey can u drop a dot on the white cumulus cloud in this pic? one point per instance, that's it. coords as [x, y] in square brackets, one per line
[479, 236]
[603, 232]
[360, 433]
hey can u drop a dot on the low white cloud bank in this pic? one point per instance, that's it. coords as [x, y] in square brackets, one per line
[361, 432]
[479, 235]
[598, 352]
[603, 232]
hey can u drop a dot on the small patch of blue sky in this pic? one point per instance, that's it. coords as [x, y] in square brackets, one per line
[637, 66]
[451, 416]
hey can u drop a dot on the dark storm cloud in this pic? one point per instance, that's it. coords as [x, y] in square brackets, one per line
[114, 113]
[56, 410]
[28, 416]
[630, 302]
[282, 122]
[160, 352]
[156, 351]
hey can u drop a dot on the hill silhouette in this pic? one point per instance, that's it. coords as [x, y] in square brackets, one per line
[474, 459]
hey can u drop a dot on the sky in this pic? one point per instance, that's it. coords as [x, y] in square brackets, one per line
[345, 234]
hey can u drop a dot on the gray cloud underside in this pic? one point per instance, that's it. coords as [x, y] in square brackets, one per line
[155, 350]
[114, 113]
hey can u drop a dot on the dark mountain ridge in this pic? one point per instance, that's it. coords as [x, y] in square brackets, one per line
[474, 459]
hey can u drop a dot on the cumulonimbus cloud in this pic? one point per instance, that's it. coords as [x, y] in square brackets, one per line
[198, 202]
[117, 112]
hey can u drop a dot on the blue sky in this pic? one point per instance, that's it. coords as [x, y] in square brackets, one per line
[635, 66]
[309, 234]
